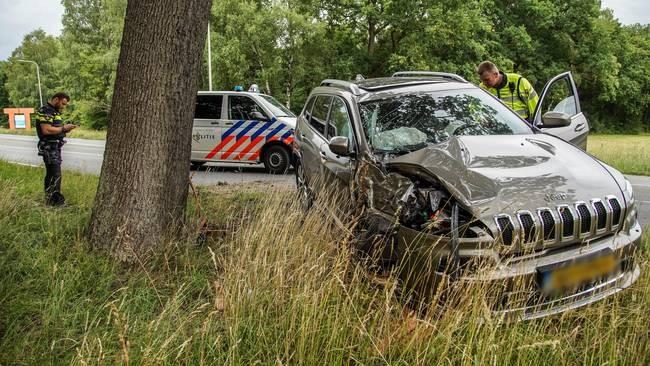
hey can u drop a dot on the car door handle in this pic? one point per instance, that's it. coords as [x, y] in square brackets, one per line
[580, 127]
[229, 123]
[214, 123]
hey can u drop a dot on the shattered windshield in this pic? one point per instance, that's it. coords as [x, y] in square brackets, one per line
[409, 122]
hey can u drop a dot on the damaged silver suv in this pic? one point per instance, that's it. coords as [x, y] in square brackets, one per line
[452, 185]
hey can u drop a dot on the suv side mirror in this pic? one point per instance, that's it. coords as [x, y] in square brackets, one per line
[553, 119]
[258, 116]
[340, 145]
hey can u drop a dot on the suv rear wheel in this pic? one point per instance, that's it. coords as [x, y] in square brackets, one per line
[276, 159]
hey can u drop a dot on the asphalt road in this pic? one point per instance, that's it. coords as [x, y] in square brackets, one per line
[86, 156]
[641, 187]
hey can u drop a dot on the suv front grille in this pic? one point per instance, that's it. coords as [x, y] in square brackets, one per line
[548, 224]
[567, 221]
[576, 222]
[528, 227]
[506, 228]
[585, 218]
[615, 207]
[601, 215]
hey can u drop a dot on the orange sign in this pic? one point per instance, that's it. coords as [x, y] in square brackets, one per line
[20, 112]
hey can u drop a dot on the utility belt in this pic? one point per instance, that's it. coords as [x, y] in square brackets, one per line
[44, 145]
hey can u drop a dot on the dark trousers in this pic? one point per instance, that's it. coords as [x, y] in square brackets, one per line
[51, 152]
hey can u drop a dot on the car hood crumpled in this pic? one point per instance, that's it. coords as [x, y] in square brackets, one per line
[491, 175]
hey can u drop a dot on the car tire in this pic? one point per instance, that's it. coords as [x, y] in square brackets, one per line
[305, 197]
[197, 164]
[276, 159]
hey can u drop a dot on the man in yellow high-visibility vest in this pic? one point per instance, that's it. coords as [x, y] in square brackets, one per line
[514, 90]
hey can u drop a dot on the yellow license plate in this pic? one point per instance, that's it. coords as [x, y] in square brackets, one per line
[577, 273]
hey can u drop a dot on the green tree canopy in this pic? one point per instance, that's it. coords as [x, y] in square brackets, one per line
[22, 83]
[288, 46]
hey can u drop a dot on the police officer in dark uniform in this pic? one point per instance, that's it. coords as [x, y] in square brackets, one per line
[51, 130]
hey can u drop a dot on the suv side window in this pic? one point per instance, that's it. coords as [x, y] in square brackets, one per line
[308, 107]
[560, 98]
[241, 107]
[339, 120]
[318, 118]
[208, 106]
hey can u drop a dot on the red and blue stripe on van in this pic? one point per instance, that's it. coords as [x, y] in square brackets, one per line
[236, 145]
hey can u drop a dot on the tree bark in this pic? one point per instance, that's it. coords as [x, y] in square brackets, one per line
[371, 37]
[144, 180]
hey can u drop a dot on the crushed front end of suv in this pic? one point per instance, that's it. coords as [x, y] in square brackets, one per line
[454, 187]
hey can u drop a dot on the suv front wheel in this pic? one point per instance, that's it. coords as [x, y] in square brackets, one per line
[276, 159]
[305, 196]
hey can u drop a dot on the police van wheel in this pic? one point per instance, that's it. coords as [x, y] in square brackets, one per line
[276, 160]
[197, 164]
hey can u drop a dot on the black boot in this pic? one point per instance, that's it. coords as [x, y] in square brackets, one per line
[55, 200]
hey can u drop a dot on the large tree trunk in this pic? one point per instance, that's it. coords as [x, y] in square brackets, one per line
[144, 181]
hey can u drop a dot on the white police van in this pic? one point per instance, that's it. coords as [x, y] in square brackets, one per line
[242, 127]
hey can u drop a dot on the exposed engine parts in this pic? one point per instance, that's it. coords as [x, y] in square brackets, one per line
[426, 206]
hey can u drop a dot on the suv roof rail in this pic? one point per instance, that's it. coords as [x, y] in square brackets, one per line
[444, 75]
[353, 88]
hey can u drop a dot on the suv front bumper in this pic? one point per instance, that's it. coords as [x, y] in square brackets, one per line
[621, 245]
[511, 285]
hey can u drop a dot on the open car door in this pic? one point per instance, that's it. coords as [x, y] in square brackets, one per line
[558, 112]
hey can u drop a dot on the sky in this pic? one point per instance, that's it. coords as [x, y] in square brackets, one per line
[19, 17]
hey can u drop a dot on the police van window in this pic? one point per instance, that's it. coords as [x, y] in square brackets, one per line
[319, 113]
[339, 121]
[242, 107]
[208, 106]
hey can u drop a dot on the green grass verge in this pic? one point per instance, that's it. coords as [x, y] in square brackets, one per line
[628, 153]
[79, 132]
[269, 287]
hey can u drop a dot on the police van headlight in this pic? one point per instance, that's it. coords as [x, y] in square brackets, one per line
[631, 212]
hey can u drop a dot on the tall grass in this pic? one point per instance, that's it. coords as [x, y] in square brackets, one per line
[270, 286]
[628, 153]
